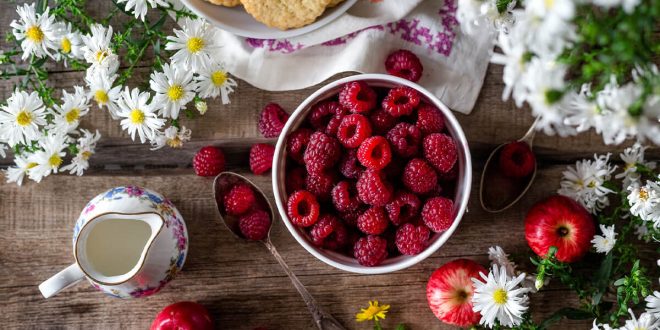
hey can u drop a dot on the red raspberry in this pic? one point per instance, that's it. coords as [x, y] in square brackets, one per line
[209, 161]
[261, 158]
[255, 225]
[295, 179]
[401, 101]
[320, 184]
[403, 208]
[272, 120]
[329, 233]
[405, 139]
[403, 63]
[353, 130]
[349, 165]
[350, 218]
[419, 176]
[429, 119]
[322, 113]
[440, 151]
[302, 208]
[239, 199]
[517, 160]
[297, 143]
[373, 221]
[370, 251]
[437, 214]
[381, 121]
[357, 97]
[373, 189]
[411, 239]
[322, 152]
[344, 197]
[449, 176]
[374, 153]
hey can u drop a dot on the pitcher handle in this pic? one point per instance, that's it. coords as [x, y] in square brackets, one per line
[62, 280]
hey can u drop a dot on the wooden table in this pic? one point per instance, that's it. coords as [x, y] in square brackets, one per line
[241, 283]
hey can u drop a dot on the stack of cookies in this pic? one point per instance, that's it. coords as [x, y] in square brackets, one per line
[282, 14]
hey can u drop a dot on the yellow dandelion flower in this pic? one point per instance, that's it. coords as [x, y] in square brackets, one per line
[373, 312]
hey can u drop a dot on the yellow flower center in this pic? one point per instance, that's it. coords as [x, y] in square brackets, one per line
[86, 155]
[100, 55]
[137, 116]
[72, 115]
[549, 3]
[218, 78]
[24, 118]
[643, 194]
[175, 92]
[65, 44]
[175, 142]
[55, 161]
[592, 184]
[500, 296]
[195, 44]
[101, 97]
[30, 165]
[34, 34]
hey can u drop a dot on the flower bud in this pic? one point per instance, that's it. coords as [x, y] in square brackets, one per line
[201, 106]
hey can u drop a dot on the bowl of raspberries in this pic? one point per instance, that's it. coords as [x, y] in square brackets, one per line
[372, 173]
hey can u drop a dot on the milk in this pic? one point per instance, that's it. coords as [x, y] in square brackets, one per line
[114, 246]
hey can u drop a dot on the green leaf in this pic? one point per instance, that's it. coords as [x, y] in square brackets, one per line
[401, 326]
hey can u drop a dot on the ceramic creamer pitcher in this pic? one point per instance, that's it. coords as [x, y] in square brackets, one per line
[128, 242]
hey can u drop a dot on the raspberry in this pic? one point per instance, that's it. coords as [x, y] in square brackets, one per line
[440, 151]
[239, 199]
[403, 63]
[449, 176]
[353, 130]
[295, 179]
[350, 218]
[344, 197]
[419, 176]
[370, 251]
[349, 165]
[405, 139]
[374, 153]
[373, 221]
[357, 97]
[437, 214]
[411, 239]
[373, 189]
[429, 119]
[517, 160]
[209, 161]
[254, 226]
[333, 125]
[381, 121]
[401, 101]
[320, 184]
[302, 208]
[261, 158]
[322, 113]
[297, 143]
[403, 208]
[329, 233]
[272, 120]
[322, 152]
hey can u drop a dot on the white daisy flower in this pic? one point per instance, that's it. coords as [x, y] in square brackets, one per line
[86, 145]
[514, 62]
[498, 257]
[213, 80]
[102, 92]
[17, 172]
[469, 15]
[140, 6]
[21, 117]
[174, 89]
[50, 158]
[37, 32]
[97, 50]
[561, 9]
[605, 243]
[195, 43]
[500, 298]
[581, 112]
[584, 182]
[615, 103]
[653, 303]
[172, 136]
[632, 156]
[645, 202]
[600, 326]
[69, 42]
[67, 115]
[646, 321]
[139, 115]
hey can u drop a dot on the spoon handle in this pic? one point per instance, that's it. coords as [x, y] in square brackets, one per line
[531, 132]
[322, 319]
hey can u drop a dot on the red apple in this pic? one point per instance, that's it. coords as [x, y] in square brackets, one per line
[561, 222]
[449, 292]
[185, 315]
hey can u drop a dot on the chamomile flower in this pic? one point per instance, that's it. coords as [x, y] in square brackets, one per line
[102, 91]
[605, 243]
[139, 115]
[69, 43]
[645, 202]
[37, 32]
[213, 80]
[172, 136]
[561, 9]
[174, 89]
[632, 156]
[646, 321]
[21, 117]
[499, 297]
[17, 172]
[653, 303]
[50, 158]
[619, 124]
[585, 181]
[140, 6]
[469, 15]
[581, 112]
[513, 57]
[96, 49]
[194, 43]
[67, 116]
[86, 146]
[498, 257]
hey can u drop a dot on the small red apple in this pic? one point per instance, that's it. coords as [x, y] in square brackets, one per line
[561, 222]
[449, 292]
[184, 315]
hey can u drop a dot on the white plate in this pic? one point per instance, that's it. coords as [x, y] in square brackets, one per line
[237, 21]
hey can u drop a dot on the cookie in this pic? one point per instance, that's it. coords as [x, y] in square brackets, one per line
[334, 3]
[226, 3]
[285, 14]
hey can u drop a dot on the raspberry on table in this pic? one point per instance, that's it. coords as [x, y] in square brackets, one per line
[322, 152]
[349, 166]
[429, 119]
[328, 232]
[255, 225]
[373, 221]
[437, 214]
[209, 161]
[272, 120]
[381, 121]
[344, 196]
[320, 184]
[517, 160]
[239, 199]
[322, 112]
[297, 143]
[353, 129]
[403, 63]
[419, 176]
[370, 250]
[403, 208]
[401, 101]
[440, 150]
[374, 153]
[411, 239]
[261, 158]
[357, 97]
[405, 139]
[302, 208]
[373, 188]
[295, 179]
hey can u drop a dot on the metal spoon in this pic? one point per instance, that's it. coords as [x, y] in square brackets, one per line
[493, 184]
[223, 182]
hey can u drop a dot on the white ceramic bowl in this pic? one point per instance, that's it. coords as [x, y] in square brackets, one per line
[463, 184]
[237, 21]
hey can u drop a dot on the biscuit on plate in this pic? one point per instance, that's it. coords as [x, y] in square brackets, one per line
[334, 3]
[226, 3]
[285, 14]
